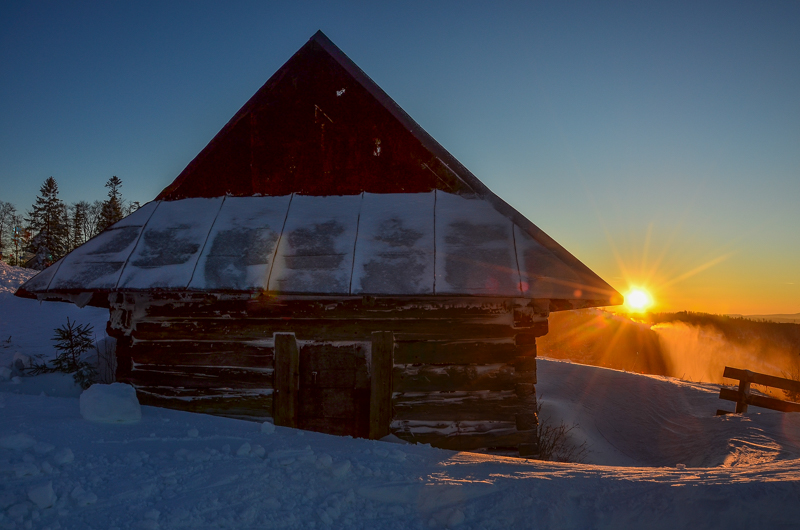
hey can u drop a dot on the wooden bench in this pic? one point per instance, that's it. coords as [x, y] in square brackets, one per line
[742, 397]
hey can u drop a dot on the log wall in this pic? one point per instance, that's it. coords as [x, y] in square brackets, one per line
[462, 375]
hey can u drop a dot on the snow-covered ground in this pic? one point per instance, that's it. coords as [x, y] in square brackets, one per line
[659, 458]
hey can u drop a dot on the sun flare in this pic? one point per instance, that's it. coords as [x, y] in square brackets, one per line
[638, 299]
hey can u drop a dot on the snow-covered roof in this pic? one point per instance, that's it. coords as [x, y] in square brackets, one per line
[322, 184]
[433, 243]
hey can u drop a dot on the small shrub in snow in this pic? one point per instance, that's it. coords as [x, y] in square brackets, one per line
[792, 373]
[554, 440]
[72, 341]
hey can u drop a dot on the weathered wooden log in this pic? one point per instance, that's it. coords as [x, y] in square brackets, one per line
[456, 406]
[256, 359]
[455, 352]
[459, 435]
[242, 406]
[200, 376]
[322, 330]
[527, 417]
[529, 335]
[347, 308]
[380, 405]
[525, 365]
[530, 447]
[287, 380]
[526, 350]
[453, 377]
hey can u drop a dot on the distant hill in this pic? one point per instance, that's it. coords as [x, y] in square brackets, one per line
[693, 346]
[790, 319]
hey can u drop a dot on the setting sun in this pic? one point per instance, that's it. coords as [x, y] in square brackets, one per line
[638, 299]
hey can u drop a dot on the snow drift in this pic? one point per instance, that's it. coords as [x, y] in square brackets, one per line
[658, 458]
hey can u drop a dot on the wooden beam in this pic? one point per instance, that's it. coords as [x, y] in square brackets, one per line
[730, 394]
[332, 307]
[526, 417]
[219, 329]
[380, 404]
[460, 435]
[761, 379]
[241, 406]
[457, 377]
[455, 352]
[201, 376]
[457, 406]
[287, 380]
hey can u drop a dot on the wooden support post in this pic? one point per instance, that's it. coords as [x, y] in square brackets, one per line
[287, 380]
[744, 392]
[380, 401]
[526, 418]
[526, 357]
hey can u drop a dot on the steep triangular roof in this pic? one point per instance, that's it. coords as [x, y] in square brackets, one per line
[297, 156]
[320, 126]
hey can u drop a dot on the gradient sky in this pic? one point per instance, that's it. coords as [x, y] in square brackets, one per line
[659, 143]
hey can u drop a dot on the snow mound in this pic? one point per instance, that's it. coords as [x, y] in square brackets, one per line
[114, 403]
[13, 277]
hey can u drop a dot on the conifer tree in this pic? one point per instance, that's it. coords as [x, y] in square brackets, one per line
[47, 222]
[78, 222]
[7, 214]
[112, 208]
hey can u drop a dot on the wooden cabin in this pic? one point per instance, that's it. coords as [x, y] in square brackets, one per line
[325, 262]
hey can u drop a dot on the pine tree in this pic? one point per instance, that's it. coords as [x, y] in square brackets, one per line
[112, 208]
[47, 221]
[7, 214]
[78, 222]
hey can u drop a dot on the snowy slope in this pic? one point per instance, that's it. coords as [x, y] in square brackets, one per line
[660, 459]
[26, 326]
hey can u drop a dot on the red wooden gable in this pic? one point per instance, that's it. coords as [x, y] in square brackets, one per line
[319, 126]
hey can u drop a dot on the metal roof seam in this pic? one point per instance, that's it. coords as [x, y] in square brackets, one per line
[59, 262]
[136, 245]
[434, 242]
[516, 256]
[278, 243]
[355, 244]
[205, 242]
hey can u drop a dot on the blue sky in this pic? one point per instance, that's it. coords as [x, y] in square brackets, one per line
[658, 142]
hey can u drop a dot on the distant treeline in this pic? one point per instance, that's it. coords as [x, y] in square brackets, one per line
[50, 228]
[694, 346]
[740, 330]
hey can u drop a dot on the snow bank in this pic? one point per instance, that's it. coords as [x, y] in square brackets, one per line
[114, 403]
[26, 329]
[174, 470]
[13, 277]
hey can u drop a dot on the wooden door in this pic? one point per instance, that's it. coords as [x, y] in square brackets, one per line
[334, 392]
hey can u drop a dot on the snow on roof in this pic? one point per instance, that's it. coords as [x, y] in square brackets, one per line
[433, 243]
